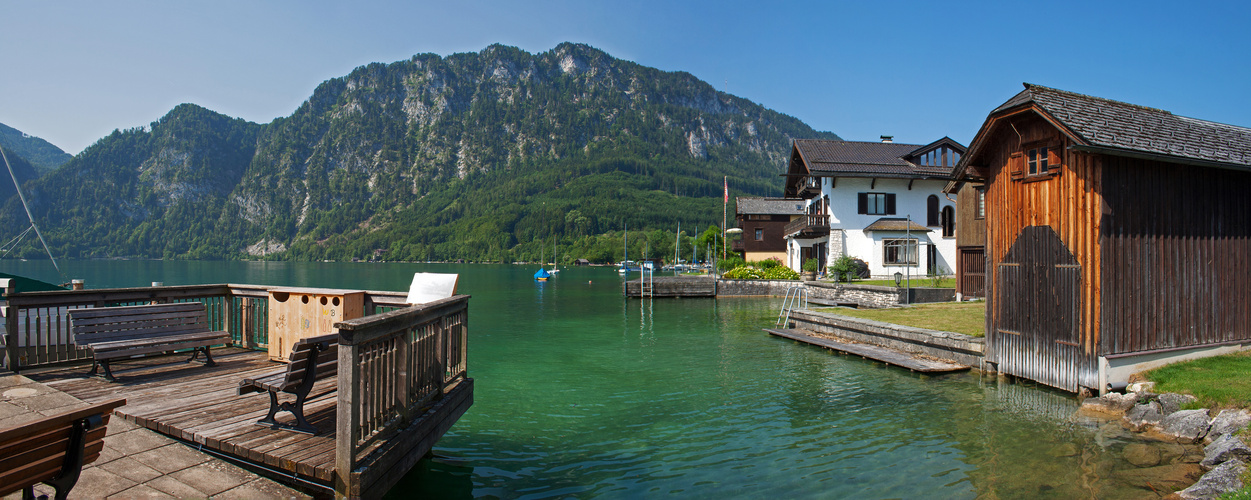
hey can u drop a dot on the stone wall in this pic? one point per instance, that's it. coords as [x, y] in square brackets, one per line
[956, 347]
[877, 296]
[754, 287]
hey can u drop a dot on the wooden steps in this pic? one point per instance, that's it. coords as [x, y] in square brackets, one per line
[869, 351]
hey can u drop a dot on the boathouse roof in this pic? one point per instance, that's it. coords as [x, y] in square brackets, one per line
[1120, 128]
[769, 206]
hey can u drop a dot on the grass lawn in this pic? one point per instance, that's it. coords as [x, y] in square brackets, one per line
[917, 282]
[1218, 381]
[968, 318]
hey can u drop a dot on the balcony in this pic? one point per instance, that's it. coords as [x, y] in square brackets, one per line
[808, 226]
[811, 188]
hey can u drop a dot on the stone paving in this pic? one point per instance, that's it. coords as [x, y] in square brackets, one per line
[135, 462]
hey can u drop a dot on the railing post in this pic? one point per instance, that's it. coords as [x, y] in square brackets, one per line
[346, 418]
[10, 325]
[401, 382]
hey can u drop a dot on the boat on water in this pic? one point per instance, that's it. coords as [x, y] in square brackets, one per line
[542, 275]
[627, 266]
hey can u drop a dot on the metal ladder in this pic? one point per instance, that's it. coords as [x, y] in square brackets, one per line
[796, 295]
[647, 283]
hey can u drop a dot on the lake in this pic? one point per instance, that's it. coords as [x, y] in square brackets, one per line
[580, 393]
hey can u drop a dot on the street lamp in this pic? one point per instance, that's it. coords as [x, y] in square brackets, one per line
[898, 278]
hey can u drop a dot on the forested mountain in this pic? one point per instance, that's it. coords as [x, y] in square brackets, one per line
[479, 156]
[22, 171]
[40, 153]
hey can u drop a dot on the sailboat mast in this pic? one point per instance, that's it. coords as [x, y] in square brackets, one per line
[22, 197]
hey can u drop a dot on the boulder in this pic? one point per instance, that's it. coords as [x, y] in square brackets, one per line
[1143, 415]
[1110, 403]
[1141, 387]
[1229, 422]
[1223, 479]
[1141, 455]
[1188, 426]
[1170, 402]
[1225, 448]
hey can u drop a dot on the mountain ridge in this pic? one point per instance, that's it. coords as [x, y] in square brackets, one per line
[473, 155]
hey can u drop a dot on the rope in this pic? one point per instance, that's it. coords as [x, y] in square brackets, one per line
[22, 197]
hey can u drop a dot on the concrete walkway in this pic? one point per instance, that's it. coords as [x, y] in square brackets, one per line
[136, 462]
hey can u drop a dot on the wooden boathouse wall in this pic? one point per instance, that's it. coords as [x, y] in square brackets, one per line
[1176, 244]
[970, 244]
[1021, 337]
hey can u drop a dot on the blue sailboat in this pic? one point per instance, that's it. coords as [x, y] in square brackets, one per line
[542, 274]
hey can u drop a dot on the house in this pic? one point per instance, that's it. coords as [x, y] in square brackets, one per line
[763, 221]
[581, 262]
[970, 238]
[1117, 238]
[881, 202]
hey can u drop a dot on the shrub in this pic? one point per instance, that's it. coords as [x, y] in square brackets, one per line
[780, 273]
[811, 265]
[769, 263]
[729, 263]
[743, 273]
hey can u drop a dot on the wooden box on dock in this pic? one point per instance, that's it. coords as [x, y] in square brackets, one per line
[296, 313]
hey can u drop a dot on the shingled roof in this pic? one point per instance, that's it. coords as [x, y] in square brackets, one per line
[876, 159]
[769, 206]
[1122, 126]
[896, 224]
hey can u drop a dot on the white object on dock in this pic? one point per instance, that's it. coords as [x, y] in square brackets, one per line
[429, 287]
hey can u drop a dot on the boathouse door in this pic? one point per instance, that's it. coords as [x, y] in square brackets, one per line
[1037, 301]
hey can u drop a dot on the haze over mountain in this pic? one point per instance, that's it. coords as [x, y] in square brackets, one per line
[476, 156]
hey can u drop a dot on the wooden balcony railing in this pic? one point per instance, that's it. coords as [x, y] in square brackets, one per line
[37, 330]
[809, 226]
[393, 367]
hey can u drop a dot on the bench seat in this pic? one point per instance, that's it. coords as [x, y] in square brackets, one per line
[311, 359]
[122, 332]
[53, 450]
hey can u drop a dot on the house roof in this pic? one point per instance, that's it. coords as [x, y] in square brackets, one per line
[768, 206]
[896, 224]
[876, 159]
[1115, 127]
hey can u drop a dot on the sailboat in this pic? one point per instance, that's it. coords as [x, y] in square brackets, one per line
[554, 271]
[625, 267]
[542, 274]
[22, 283]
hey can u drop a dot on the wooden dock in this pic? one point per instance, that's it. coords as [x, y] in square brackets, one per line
[673, 286]
[198, 404]
[869, 351]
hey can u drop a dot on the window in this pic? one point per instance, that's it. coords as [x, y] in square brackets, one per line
[900, 252]
[931, 211]
[1036, 161]
[876, 203]
[759, 234]
[949, 221]
[981, 203]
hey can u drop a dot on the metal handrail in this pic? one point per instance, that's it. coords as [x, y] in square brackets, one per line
[794, 294]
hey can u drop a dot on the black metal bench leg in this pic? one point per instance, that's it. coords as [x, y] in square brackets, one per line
[108, 373]
[95, 368]
[76, 454]
[208, 356]
[297, 409]
[273, 410]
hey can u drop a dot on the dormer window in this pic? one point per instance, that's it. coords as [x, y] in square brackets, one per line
[1036, 161]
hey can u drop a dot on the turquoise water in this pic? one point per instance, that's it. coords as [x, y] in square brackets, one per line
[580, 393]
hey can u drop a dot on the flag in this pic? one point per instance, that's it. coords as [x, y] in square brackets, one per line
[726, 181]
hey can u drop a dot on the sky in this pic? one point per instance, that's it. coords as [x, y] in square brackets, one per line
[73, 71]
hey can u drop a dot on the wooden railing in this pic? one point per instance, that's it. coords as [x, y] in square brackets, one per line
[37, 330]
[393, 367]
[808, 224]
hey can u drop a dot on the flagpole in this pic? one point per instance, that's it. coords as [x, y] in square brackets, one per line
[725, 181]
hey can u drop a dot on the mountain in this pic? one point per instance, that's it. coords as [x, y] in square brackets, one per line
[476, 156]
[40, 153]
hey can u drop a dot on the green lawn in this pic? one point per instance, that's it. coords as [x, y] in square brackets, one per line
[968, 318]
[1218, 381]
[917, 282]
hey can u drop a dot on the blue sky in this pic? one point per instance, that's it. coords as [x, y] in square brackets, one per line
[72, 71]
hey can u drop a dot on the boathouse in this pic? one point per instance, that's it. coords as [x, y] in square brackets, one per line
[1117, 237]
[764, 221]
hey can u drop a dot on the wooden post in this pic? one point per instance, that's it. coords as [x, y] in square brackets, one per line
[346, 415]
[10, 325]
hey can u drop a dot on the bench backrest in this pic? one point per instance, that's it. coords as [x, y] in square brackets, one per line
[104, 324]
[302, 357]
[37, 451]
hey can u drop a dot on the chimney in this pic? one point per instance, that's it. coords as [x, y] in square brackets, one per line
[888, 138]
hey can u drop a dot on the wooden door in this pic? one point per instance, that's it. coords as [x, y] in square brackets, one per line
[1036, 317]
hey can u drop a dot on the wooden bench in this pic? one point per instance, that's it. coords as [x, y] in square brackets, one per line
[53, 450]
[311, 359]
[122, 332]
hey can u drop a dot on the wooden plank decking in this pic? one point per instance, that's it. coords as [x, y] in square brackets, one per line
[876, 353]
[198, 404]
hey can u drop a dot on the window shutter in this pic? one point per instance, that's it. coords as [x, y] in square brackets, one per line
[890, 203]
[1016, 165]
[862, 203]
[1053, 159]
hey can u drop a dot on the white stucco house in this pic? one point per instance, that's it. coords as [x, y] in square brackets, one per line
[880, 202]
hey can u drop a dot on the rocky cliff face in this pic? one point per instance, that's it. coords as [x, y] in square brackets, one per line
[389, 139]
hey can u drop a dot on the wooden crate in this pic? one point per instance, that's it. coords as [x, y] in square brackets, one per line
[296, 313]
